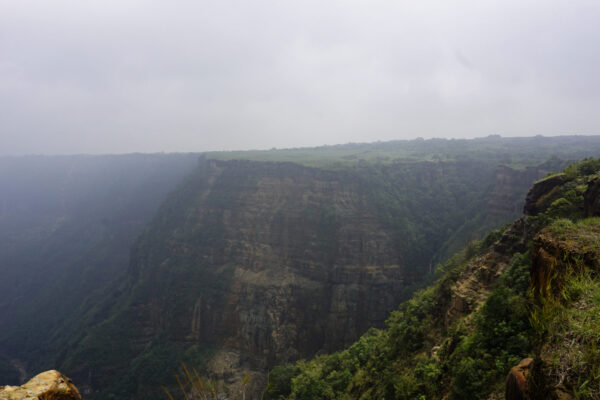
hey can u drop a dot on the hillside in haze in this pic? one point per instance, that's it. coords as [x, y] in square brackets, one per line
[237, 262]
[66, 227]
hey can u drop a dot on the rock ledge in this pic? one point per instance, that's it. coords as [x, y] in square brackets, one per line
[49, 385]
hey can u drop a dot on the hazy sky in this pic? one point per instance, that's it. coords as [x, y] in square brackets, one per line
[87, 76]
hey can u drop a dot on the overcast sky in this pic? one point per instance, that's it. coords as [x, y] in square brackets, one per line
[87, 76]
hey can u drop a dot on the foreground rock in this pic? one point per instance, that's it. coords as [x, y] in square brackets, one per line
[49, 385]
[516, 382]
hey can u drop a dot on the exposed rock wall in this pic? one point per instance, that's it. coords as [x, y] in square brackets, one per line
[557, 255]
[516, 382]
[306, 266]
[470, 290]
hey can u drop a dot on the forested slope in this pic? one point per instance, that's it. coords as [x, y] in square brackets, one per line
[527, 289]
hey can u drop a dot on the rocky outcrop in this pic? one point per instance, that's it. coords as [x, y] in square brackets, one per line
[516, 382]
[560, 251]
[471, 290]
[534, 203]
[475, 283]
[49, 385]
[521, 384]
[591, 199]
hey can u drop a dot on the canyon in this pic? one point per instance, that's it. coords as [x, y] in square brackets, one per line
[234, 266]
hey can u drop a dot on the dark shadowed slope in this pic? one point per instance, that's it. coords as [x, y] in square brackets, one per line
[66, 227]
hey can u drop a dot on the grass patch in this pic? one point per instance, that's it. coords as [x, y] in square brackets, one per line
[571, 331]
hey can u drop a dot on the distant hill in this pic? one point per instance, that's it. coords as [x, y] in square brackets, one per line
[513, 152]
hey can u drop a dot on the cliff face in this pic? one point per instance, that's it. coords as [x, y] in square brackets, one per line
[305, 266]
[264, 264]
[248, 265]
[285, 230]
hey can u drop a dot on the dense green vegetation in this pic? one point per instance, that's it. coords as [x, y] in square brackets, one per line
[571, 332]
[470, 358]
[420, 356]
[566, 312]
